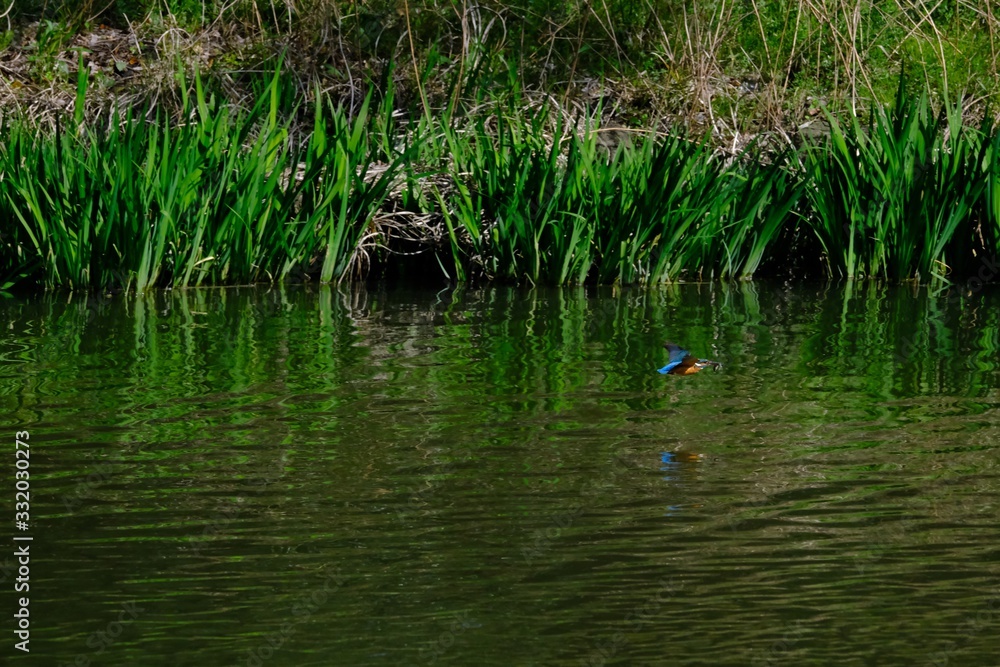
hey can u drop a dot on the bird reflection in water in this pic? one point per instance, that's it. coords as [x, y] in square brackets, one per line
[673, 463]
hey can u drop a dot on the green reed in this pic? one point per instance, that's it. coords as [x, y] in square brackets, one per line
[684, 212]
[987, 231]
[227, 197]
[230, 196]
[888, 200]
[518, 199]
[546, 203]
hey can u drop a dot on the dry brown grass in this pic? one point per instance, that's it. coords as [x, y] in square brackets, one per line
[696, 70]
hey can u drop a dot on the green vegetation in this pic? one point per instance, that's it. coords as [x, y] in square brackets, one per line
[903, 197]
[233, 197]
[537, 142]
[557, 210]
[226, 198]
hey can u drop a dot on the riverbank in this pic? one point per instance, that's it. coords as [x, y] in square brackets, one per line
[155, 161]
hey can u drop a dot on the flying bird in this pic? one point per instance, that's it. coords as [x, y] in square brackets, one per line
[682, 362]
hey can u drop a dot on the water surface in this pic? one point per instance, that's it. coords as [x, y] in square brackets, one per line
[315, 477]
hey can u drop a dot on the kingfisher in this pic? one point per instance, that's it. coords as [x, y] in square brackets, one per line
[682, 362]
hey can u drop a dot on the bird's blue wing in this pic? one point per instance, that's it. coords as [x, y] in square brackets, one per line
[669, 367]
[677, 355]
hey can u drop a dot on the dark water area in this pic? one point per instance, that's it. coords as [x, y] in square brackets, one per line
[500, 477]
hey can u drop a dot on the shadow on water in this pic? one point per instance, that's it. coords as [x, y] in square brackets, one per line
[310, 476]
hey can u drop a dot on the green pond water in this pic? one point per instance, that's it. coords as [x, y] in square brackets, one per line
[308, 476]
